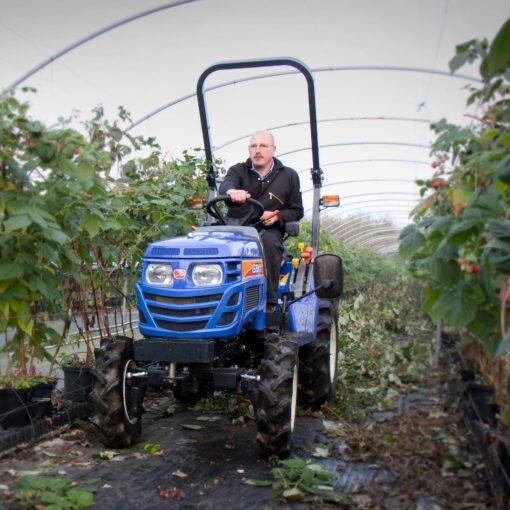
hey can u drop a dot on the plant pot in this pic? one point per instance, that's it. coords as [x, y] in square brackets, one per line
[41, 405]
[481, 398]
[42, 390]
[77, 383]
[14, 406]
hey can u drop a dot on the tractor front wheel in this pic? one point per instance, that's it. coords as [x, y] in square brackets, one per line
[277, 397]
[117, 404]
[318, 360]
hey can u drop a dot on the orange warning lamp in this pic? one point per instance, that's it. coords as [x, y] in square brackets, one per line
[330, 201]
[195, 203]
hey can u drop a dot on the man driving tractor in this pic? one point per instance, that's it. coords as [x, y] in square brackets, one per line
[264, 178]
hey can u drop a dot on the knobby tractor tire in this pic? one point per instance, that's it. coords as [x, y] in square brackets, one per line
[318, 360]
[115, 429]
[277, 396]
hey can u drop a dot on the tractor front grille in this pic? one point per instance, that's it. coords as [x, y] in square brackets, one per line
[174, 300]
[252, 298]
[181, 326]
[182, 312]
[226, 318]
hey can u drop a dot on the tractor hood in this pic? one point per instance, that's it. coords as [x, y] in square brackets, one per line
[205, 244]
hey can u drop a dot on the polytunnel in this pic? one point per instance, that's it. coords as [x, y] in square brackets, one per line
[381, 73]
[155, 352]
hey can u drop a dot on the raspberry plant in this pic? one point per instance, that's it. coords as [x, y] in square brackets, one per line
[459, 245]
[77, 207]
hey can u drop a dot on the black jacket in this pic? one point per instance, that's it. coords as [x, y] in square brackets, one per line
[279, 190]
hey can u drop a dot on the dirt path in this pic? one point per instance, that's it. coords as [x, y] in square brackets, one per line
[205, 461]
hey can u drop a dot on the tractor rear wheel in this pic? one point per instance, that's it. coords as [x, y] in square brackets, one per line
[111, 393]
[318, 360]
[277, 396]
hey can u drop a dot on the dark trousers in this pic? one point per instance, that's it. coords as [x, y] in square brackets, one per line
[273, 250]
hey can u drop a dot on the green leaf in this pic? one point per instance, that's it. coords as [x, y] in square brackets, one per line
[10, 270]
[446, 272]
[16, 223]
[411, 240]
[503, 170]
[152, 448]
[430, 296]
[463, 47]
[458, 61]
[499, 229]
[115, 133]
[294, 463]
[461, 231]
[504, 345]
[505, 138]
[177, 199]
[459, 198]
[259, 483]
[498, 58]
[92, 224]
[85, 171]
[24, 318]
[55, 235]
[457, 306]
[293, 494]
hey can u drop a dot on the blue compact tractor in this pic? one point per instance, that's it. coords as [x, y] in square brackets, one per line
[202, 307]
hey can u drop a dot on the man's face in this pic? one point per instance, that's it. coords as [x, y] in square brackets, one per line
[261, 150]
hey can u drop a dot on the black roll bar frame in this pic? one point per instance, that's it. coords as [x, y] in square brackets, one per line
[316, 171]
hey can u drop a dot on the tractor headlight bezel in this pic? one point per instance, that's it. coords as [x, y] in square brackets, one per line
[207, 275]
[159, 274]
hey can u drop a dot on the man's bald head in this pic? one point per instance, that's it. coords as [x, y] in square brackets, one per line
[262, 149]
[262, 135]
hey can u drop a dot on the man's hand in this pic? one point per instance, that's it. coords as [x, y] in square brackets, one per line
[238, 196]
[269, 218]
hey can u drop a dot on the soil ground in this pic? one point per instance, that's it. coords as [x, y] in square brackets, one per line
[414, 455]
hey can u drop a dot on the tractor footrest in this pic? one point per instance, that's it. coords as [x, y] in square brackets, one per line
[174, 350]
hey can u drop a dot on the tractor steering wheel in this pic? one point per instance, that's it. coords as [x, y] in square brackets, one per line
[213, 209]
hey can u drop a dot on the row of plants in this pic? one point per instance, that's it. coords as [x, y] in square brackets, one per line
[459, 244]
[362, 265]
[386, 347]
[78, 205]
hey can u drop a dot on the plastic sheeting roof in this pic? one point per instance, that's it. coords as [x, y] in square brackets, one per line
[157, 59]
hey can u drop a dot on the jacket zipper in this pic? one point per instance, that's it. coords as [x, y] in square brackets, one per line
[271, 196]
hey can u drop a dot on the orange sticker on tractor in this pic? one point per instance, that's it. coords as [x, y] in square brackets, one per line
[284, 278]
[251, 268]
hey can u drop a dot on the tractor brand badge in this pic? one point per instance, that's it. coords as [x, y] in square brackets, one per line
[284, 278]
[251, 268]
[179, 274]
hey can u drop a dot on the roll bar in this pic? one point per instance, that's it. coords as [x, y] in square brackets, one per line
[271, 62]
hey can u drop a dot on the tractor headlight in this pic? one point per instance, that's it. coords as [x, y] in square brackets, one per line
[207, 274]
[159, 274]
